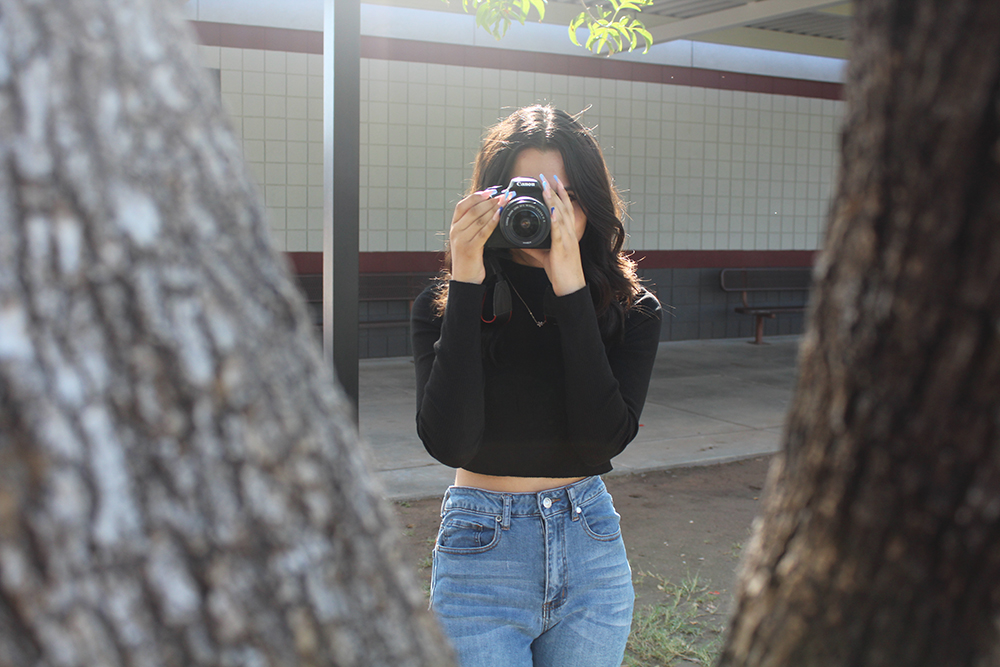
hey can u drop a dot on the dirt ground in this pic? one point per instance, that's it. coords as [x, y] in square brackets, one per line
[677, 524]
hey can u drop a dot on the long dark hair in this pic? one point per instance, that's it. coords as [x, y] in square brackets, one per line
[610, 274]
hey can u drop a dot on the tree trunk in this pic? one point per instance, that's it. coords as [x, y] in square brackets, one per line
[180, 483]
[880, 542]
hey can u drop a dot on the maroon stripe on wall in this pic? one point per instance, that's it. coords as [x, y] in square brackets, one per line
[400, 262]
[407, 50]
[423, 262]
[722, 259]
[372, 262]
[523, 61]
[305, 262]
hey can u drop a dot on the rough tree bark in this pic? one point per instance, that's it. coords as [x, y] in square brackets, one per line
[179, 480]
[880, 542]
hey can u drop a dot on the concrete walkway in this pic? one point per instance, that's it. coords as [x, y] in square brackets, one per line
[709, 401]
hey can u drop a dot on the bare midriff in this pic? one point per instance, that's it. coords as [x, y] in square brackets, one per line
[499, 484]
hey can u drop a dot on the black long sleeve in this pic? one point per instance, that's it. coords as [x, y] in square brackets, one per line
[550, 401]
[605, 389]
[446, 354]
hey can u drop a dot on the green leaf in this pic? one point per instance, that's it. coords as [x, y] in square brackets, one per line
[574, 25]
[646, 36]
[617, 39]
[484, 16]
[539, 6]
[490, 17]
[526, 13]
[609, 30]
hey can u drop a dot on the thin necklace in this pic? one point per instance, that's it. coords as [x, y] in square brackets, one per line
[533, 318]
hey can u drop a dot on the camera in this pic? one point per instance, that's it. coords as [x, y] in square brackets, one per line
[525, 221]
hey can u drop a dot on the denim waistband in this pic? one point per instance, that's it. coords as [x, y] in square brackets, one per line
[572, 497]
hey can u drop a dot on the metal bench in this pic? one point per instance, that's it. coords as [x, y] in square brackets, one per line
[766, 280]
[372, 287]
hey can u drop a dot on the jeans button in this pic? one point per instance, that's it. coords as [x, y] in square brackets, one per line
[547, 503]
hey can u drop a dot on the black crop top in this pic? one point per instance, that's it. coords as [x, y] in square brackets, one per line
[550, 401]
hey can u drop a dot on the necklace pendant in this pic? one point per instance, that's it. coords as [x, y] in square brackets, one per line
[540, 324]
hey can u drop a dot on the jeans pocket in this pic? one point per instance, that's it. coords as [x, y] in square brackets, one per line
[601, 521]
[465, 533]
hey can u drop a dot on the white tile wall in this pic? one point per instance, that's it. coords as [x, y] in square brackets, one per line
[702, 169]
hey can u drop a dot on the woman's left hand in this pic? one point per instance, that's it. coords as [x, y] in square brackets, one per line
[562, 263]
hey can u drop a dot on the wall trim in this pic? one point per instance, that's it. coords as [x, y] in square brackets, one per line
[407, 50]
[723, 259]
[307, 263]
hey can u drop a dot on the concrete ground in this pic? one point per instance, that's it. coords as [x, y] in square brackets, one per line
[709, 401]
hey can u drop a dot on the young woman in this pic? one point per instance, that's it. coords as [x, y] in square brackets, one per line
[529, 397]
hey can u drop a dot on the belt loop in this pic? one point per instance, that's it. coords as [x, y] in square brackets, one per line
[507, 502]
[444, 501]
[574, 508]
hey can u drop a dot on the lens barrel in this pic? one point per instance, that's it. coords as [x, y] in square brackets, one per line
[525, 223]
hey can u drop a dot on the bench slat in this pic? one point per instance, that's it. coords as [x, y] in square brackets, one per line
[392, 286]
[765, 280]
[758, 310]
[372, 287]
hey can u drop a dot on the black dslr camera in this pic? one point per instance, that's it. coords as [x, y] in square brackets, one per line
[525, 221]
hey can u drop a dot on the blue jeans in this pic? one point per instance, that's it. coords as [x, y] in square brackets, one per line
[533, 579]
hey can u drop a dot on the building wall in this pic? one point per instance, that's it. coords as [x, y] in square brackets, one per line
[715, 163]
[702, 169]
[275, 102]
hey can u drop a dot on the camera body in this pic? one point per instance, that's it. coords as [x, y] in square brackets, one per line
[525, 221]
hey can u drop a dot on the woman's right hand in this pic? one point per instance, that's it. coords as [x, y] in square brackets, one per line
[475, 218]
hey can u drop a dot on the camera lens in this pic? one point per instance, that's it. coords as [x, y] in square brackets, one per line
[525, 224]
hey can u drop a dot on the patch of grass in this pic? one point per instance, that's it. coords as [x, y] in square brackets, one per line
[679, 629]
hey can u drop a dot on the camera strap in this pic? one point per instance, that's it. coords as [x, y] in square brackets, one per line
[502, 305]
